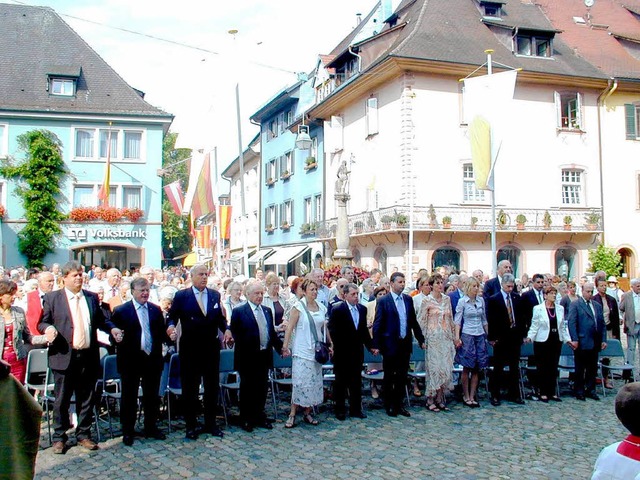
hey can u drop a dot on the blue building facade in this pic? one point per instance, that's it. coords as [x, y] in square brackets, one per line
[74, 94]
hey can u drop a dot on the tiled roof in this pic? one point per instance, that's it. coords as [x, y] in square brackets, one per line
[35, 42]
[599, 45]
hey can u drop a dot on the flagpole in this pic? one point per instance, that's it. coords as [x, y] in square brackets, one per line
[494, 260]
[243, 222]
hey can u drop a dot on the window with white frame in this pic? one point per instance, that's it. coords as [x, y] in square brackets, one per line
[108, 143]
[632, 121]
[132, 196]
[286, 164]
[286, 213]
[572, 187]
[317, 202]
[270, 219]
[533, 45]
[272, 129]
[270, 171]
[4, 149]
[64, 87]
[84, 143]
[132, 145]
[117, 144]
[569, 110]
[470, 192]
[372, 116]
[308, 211]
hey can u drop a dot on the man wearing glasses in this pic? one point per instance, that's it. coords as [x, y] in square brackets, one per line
[532, 297]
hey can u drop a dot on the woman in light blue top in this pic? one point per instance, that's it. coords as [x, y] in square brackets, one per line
[471, 340]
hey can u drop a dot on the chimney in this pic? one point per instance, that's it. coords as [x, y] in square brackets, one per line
[358, 18]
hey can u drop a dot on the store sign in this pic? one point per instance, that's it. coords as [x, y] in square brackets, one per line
[80, 234]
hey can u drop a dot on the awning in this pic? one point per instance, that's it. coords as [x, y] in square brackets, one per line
[284, 255]
[190, 260]
[259, 255]
[237, 256]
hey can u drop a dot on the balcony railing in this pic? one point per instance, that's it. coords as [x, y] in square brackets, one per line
[466, 219]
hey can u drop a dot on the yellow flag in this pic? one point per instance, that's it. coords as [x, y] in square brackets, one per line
[480, 138]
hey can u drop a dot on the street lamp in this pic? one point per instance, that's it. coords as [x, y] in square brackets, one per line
[303, 140]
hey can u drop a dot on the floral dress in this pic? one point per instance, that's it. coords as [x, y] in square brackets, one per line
[436, 321]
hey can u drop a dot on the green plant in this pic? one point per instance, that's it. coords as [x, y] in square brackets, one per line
[474, 221]
[546, 218]
[401, 219]
[606, 259]
[371, 221]
[502, 218]
[40, 176]
[592, 218]
[520, 218]
[359, 225]
[310, 161]
[567, 220]
[386, 219]
[446, 219]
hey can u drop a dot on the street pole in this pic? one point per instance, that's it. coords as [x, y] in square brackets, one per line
[492, 179]
[243, 220]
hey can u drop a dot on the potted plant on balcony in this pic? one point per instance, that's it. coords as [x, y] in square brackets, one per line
[371, 222]
[502, 219]
[446, 221]
[358, 226]
[474, 223]
[520, 221]
[591, 220]
[310, 163]
[312, 228]
[268, 228]
[270, 181]
[386, 221]
[546, 219]
[304, 229]
[133, 214]
[285, 226]
[567, 222]
[285, 175]
[431, 213]
[401, 219]
[3, 212]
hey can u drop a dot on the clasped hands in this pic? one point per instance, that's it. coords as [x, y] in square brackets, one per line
[173, 335]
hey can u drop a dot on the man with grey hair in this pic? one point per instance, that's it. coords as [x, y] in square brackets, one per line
[493, 286]
[506, 333]
[149, 274]
[112, 286]
[630, 307]
[317, 275]
[457, 294]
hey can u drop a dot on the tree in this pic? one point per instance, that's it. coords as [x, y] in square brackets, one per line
[605, 259]
[176, 237]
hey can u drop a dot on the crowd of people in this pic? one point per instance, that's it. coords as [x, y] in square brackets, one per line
[147, 315]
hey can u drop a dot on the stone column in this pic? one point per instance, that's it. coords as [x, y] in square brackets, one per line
[342, 254]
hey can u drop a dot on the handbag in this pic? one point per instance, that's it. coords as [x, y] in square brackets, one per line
[321, 348]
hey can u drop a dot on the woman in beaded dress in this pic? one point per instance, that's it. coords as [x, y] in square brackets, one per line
[436, 321]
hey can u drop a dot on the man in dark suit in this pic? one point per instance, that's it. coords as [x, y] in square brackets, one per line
[200, 312]
[70, 320]
[611, 315]
[457, 294]
[506, 333]
[349, 333]
[394, 320]
[254, 337]
[139, 332]
[532, 297]
[588, 336]
[493, 286]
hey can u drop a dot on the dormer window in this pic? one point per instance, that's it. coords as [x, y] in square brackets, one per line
[533, 44]
[65, 87]
[62, 81]
[491, 9]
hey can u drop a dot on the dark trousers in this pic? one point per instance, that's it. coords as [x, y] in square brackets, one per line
[506, 352]
[586, 368]
[138, 369]
[79, 378]
[200, 364]
[348, 377]
[253, 389]
[547, 356]
[395, 369]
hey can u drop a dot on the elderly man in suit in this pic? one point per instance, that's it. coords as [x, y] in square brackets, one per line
[532, 297]
[588, 336]
[139, 333]
[493, 286]
[630, 307]
[507, 330]
[200, 312]
[349, 333]
[254, 336]
[395, 319]
[71, 317]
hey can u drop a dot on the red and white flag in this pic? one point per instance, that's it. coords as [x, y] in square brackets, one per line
[175, 196]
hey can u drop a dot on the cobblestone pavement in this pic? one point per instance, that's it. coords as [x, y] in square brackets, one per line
[534, 441]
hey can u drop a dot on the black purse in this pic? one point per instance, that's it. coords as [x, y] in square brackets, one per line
[322, 354]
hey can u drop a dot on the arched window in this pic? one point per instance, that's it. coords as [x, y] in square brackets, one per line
[380, 256]
[446, 256]
[627, 258]
[512, 254]
[565, 263]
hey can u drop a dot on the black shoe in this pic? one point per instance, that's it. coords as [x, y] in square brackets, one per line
[580, 397]
[404, 412]
[555, 399]
[155, 434]
[191, 435]
[495, 402]
[267, 425]
[341, 416]
[544, 400]
[593, 396]
[518, 401]
[127, 440]
[247, 427]
[215, 431]
[361, 415]
[391, 412]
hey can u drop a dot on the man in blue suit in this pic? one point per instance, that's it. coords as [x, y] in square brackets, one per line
[457, 294]
[254, 337]
[588, 337]
[200, 313]
[394, 321]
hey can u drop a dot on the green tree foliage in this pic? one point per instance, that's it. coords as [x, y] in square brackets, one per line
[175, 229]
[606, 259]
[39, 176]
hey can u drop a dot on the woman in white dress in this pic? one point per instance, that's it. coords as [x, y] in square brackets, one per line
[306, 373]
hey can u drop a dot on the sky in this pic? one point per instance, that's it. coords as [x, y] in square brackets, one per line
[198, 87]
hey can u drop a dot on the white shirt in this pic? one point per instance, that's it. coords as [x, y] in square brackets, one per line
[140, 320]
[203, 297]
[72, 298]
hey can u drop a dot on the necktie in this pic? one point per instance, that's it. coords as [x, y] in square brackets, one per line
[539, 293]
[262, 327]
[113, 292]
[402, 314]
[79, 335]
[354, 316]
[144, 322]
[510, 310]
[201, 302]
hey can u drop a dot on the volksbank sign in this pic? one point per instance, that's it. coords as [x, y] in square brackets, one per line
[79, 234]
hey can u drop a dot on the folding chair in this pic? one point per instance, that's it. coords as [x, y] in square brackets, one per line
[174, 384]
[417, 355]
[375, 376]
[566, 363]
[38, 378]
[226, 369]
[613, 350]
[526, 367]
[276, 379]
[109, 386]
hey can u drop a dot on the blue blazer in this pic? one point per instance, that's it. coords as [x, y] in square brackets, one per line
[588, 331]
[455, 298]
[386, 326]
[246, 336]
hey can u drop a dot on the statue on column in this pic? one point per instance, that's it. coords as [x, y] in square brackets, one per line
[343, 179]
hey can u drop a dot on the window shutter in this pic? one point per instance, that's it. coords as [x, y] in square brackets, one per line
[372, 116]
[630, 121]
[291, 206]
[266, 217]
[579, 110]
[558, 101]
